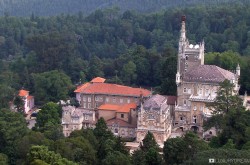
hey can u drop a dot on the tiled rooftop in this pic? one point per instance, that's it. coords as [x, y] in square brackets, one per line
[208, 73]
[118, 108]
[154, 102]
[111, 89]
[23, 93]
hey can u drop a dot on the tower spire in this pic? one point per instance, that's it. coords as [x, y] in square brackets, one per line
[183, 28]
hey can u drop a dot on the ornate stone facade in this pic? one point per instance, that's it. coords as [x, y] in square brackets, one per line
[154, 116]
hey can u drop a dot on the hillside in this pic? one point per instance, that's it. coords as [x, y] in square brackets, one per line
[55, 7]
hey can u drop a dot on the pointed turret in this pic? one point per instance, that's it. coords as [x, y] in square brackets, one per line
[183, 28]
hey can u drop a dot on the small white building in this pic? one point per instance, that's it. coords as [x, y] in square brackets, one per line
[28, 100]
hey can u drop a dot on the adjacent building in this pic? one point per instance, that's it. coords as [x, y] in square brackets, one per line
[117, 104]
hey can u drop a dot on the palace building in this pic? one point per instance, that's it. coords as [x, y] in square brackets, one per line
[197, 84]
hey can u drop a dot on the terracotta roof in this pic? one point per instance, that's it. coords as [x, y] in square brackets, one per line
[112, 89]
[23, 93]
[120, 122]
[208, 73]
[118, 108]
[30, 97]
[82, 87]
[98, 80]
[155, 101]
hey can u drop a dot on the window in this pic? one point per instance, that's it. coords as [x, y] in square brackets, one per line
[121, 100]
[181, 118]
[84, 98]
[86, 117]
[67, 126]
[116, 130]
[194, 119]
[96, 98]
[185, 102]
[84, 105]
[89, 105]
[186, 57]
[200, 91]
[184, 90]
[201, 108]
[189, 91]
[107, 99]
[122, 115]
[207, 92]
[89, 99]
[195, 108]
[128, 101]
[114, 99]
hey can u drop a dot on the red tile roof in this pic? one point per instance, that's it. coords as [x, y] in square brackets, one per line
[120, 122]
[118, 108]
[98, 80]
[30, 97]
[112, 89]
[23, 93]
[81, 87]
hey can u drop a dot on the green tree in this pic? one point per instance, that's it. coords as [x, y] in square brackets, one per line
[51, 86]
[19, 103]
[3, 159]
[13, 127]
[149, 142]
[50, 113]
[229, 116]
[181, 149]
[129, 73]
[148, 153]
[41, 154]
[116, 158]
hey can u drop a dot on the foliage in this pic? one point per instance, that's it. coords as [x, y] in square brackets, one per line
[77, 149]
[3, 159]
[181, 149]
[13, 127]
[50, 113]
[230, 117]
[19, 104]
[51, 86]
[148, 153]
[42, 153]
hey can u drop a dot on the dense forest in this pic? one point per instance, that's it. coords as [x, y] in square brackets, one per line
[128, 48]
[55, 7]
